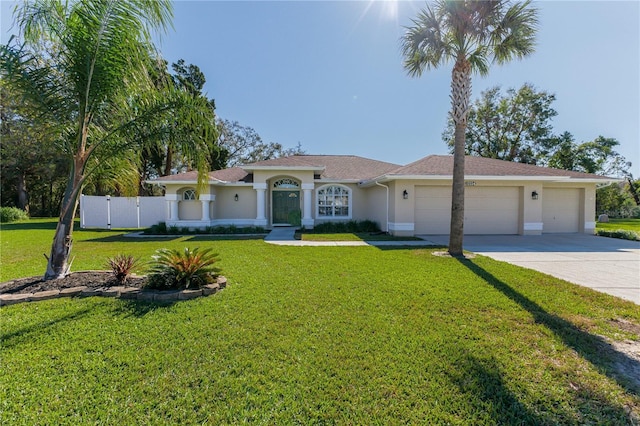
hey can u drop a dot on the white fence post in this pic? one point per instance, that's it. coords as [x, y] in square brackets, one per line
[82, 211]
[108, 211]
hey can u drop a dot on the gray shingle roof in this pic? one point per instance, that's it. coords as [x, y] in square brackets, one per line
[339, 167]
[233, 174]
[354, 168]
[442, 165]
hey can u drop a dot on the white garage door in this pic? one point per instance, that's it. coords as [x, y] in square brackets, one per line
[560, 210]
[488, 210]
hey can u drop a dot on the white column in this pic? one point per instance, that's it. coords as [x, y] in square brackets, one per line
[307, 220]
[261, 189]
[205, 200]
[172, 199]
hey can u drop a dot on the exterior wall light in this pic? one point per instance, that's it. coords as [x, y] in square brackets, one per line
[405, 194]
[236, 197]
[534, 195]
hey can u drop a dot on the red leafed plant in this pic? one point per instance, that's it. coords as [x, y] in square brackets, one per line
[122, 265]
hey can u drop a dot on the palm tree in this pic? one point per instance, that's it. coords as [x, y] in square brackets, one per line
[471, 34]
[85, 65]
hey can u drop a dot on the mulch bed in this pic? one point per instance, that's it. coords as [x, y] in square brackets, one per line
[89, 279]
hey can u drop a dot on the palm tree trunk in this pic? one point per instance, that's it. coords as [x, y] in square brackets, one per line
[460, 96]
[633, 191]
[58, 264]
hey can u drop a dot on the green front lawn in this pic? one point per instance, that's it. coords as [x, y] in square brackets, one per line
[626, 224]
[314, 335]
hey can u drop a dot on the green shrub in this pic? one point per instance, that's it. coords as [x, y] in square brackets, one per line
[295, 217]
[619, 233]
[161, 229]
[352, 226]
[122, 265]
[157, 229]
[12, 214]
[175, 269]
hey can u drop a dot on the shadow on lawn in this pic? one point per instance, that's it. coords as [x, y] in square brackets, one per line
[234, 237]
[120, 238]
[426, 246]
[481, 380]
[26, 225]
[138, 309]
[592, 348]
[10, 339]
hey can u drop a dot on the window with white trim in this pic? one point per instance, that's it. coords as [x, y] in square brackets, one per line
[333, 201]
[189, 195]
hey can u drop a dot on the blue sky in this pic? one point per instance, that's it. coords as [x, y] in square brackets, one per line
[329, 74]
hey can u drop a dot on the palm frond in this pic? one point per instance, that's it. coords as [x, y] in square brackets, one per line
[424, 45]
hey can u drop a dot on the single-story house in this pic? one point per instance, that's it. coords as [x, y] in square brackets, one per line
[500, 197]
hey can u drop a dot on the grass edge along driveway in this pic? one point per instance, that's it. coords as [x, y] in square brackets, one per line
[321, 335]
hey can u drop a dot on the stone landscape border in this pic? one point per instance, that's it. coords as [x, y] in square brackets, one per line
[120, 292]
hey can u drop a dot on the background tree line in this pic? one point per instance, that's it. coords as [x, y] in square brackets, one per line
[516, 125]
[34, 172]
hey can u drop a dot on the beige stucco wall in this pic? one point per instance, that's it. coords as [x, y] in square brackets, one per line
[376, 205]
[225, 206]
[189, 210]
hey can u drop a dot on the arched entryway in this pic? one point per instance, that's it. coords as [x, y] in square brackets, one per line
[285, 202]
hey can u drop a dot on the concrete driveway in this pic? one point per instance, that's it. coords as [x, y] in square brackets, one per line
[609, 265]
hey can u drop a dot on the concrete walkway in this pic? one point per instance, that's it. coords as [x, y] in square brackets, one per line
[609, 265]
[282, 233]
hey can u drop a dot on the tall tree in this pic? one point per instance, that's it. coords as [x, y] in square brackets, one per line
[597, 156]
[162, 155]
[511, 127]
[243, 145]
[27, 151]
[471, 34]
[94, 83]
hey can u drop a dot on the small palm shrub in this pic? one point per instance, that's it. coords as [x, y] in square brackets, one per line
[12, 214]
[122, 265]
[175, 269]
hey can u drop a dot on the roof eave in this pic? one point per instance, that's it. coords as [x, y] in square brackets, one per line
[211, 181]
[388, 178]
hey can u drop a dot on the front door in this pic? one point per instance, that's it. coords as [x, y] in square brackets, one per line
[285, 205]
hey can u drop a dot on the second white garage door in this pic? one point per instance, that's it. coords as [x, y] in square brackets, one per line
[488, 210]
[560, 210]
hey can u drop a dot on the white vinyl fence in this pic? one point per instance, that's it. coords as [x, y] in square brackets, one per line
[121, 212]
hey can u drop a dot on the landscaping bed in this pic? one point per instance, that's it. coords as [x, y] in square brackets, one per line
[97, 283]
[88, 279]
